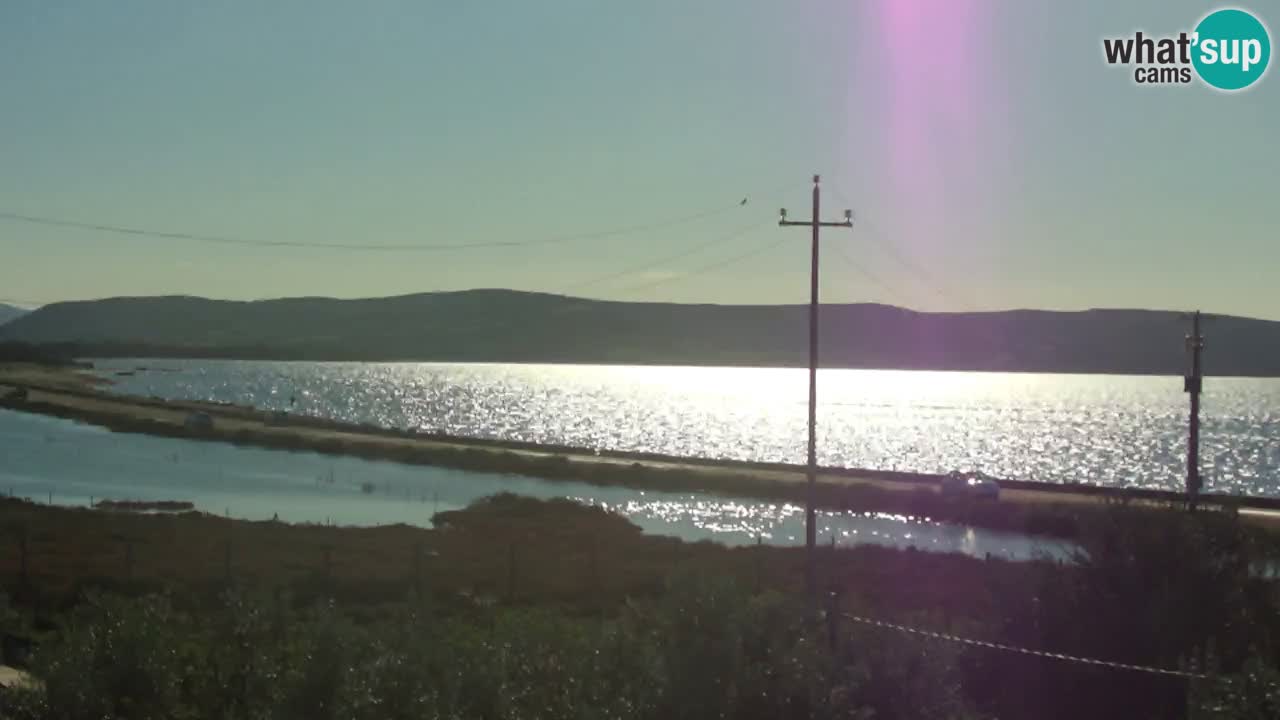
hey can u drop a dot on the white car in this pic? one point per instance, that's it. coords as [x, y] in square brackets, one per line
[973, 484]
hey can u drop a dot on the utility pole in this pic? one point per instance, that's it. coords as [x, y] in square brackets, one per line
[1192, 385]
[811, 472]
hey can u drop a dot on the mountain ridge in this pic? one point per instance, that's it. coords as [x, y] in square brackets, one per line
[495, 325]
[11, 312]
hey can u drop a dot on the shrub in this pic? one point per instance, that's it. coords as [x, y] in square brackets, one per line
[117, 658]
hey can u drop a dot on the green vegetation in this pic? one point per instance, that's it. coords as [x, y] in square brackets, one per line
[49, 355]
[703, 649]
[524, 608]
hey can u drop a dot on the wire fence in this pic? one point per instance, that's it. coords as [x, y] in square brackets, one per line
[931, 635]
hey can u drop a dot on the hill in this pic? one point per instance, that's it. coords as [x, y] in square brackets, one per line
[10, 312]
[510, 326]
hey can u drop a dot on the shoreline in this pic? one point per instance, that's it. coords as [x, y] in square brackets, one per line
[1032, 508]
[1171, 375]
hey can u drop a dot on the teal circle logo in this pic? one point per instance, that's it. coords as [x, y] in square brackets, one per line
[1231, 49]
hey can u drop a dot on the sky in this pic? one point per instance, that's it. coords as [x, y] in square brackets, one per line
[990, 156]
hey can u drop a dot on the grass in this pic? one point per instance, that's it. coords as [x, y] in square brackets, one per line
[1157, 588]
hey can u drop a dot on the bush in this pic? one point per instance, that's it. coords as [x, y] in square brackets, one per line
[1252, 694]
[118, 658]
[704, 649]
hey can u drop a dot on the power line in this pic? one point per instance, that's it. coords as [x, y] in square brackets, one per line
[226, 240]
[386, 247]
[927, 279]
[684, 253]
[989, 334]
[498, 324]
[664, 260]
[659, 224]
[578, 309]
[867, 275]
[707, 268]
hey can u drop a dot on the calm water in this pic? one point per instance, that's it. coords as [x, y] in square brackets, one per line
[46, 458]
[1106, 430]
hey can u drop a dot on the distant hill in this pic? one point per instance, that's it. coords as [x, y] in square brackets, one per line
[509, 326]
[10, 312]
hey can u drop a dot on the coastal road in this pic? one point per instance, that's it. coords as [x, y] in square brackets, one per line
[78, 395]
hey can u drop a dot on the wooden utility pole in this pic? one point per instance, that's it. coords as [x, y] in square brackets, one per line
[1192, 384]
[811, 471]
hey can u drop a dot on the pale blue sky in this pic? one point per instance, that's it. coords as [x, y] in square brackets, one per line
[985, 140]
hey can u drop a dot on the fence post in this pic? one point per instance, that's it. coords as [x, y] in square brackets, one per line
[595, 568]
[22, 550]
[511, 573]
[759, 553]
[833, 620]
[417, 570]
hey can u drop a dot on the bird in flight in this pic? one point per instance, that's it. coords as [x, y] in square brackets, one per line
[744, 202]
